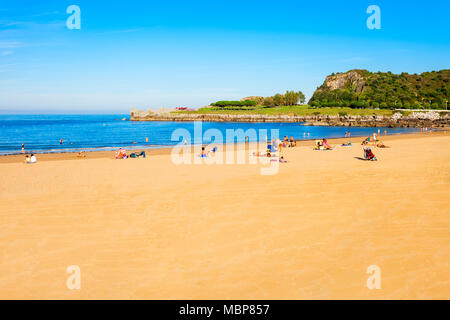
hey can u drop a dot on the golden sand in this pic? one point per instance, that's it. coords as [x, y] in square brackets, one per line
[146, 228]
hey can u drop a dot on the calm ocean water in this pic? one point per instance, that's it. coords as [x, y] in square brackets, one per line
[42, 133]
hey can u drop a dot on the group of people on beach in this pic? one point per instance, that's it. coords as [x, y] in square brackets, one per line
[204, 153]
[367, 151]
[376, 142]
[374, 138]
[322, 145]
[122, 154]
[275, 146]
[30, 159]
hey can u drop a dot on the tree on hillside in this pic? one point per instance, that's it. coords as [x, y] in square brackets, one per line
[278, 99]
[291, 98]
[268, 102]
[301, 97]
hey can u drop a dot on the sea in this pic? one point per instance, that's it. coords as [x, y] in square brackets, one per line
[43, 133]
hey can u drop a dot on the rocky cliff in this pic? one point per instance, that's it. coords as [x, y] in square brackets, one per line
[364, 89]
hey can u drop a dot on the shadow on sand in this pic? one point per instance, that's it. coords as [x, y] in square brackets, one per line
[359, 158]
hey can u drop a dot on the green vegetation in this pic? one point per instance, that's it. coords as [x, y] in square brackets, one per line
[290, 98]
[245, 103]
[303, 110]
[356, 92]
[364, 89]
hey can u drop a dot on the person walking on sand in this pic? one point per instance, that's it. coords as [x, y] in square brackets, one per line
[374, 138]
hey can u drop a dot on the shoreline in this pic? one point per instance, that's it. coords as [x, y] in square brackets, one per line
[166, 149]
[373, 120]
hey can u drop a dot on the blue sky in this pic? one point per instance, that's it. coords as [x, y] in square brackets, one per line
[148, 54]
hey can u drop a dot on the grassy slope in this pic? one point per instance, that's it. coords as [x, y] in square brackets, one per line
[293, 110]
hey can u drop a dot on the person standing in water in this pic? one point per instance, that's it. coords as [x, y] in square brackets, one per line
[23, 147]
[61, 141]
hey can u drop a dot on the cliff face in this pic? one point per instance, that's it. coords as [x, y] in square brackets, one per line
[350, 80]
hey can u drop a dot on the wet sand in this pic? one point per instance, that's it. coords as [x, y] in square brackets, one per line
[147, 228]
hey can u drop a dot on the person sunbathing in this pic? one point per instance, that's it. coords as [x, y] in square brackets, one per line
[381, 144]
[121, 154]
[137, 155]
[348, 144]
[325, 144]
[30, 159]
[81, 154]
[318, 145]
[282, 160]
[365, 140]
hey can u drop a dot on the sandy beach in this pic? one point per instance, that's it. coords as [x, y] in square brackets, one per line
[149, 229]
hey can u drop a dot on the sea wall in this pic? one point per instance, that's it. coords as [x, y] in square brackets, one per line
[414, 120]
